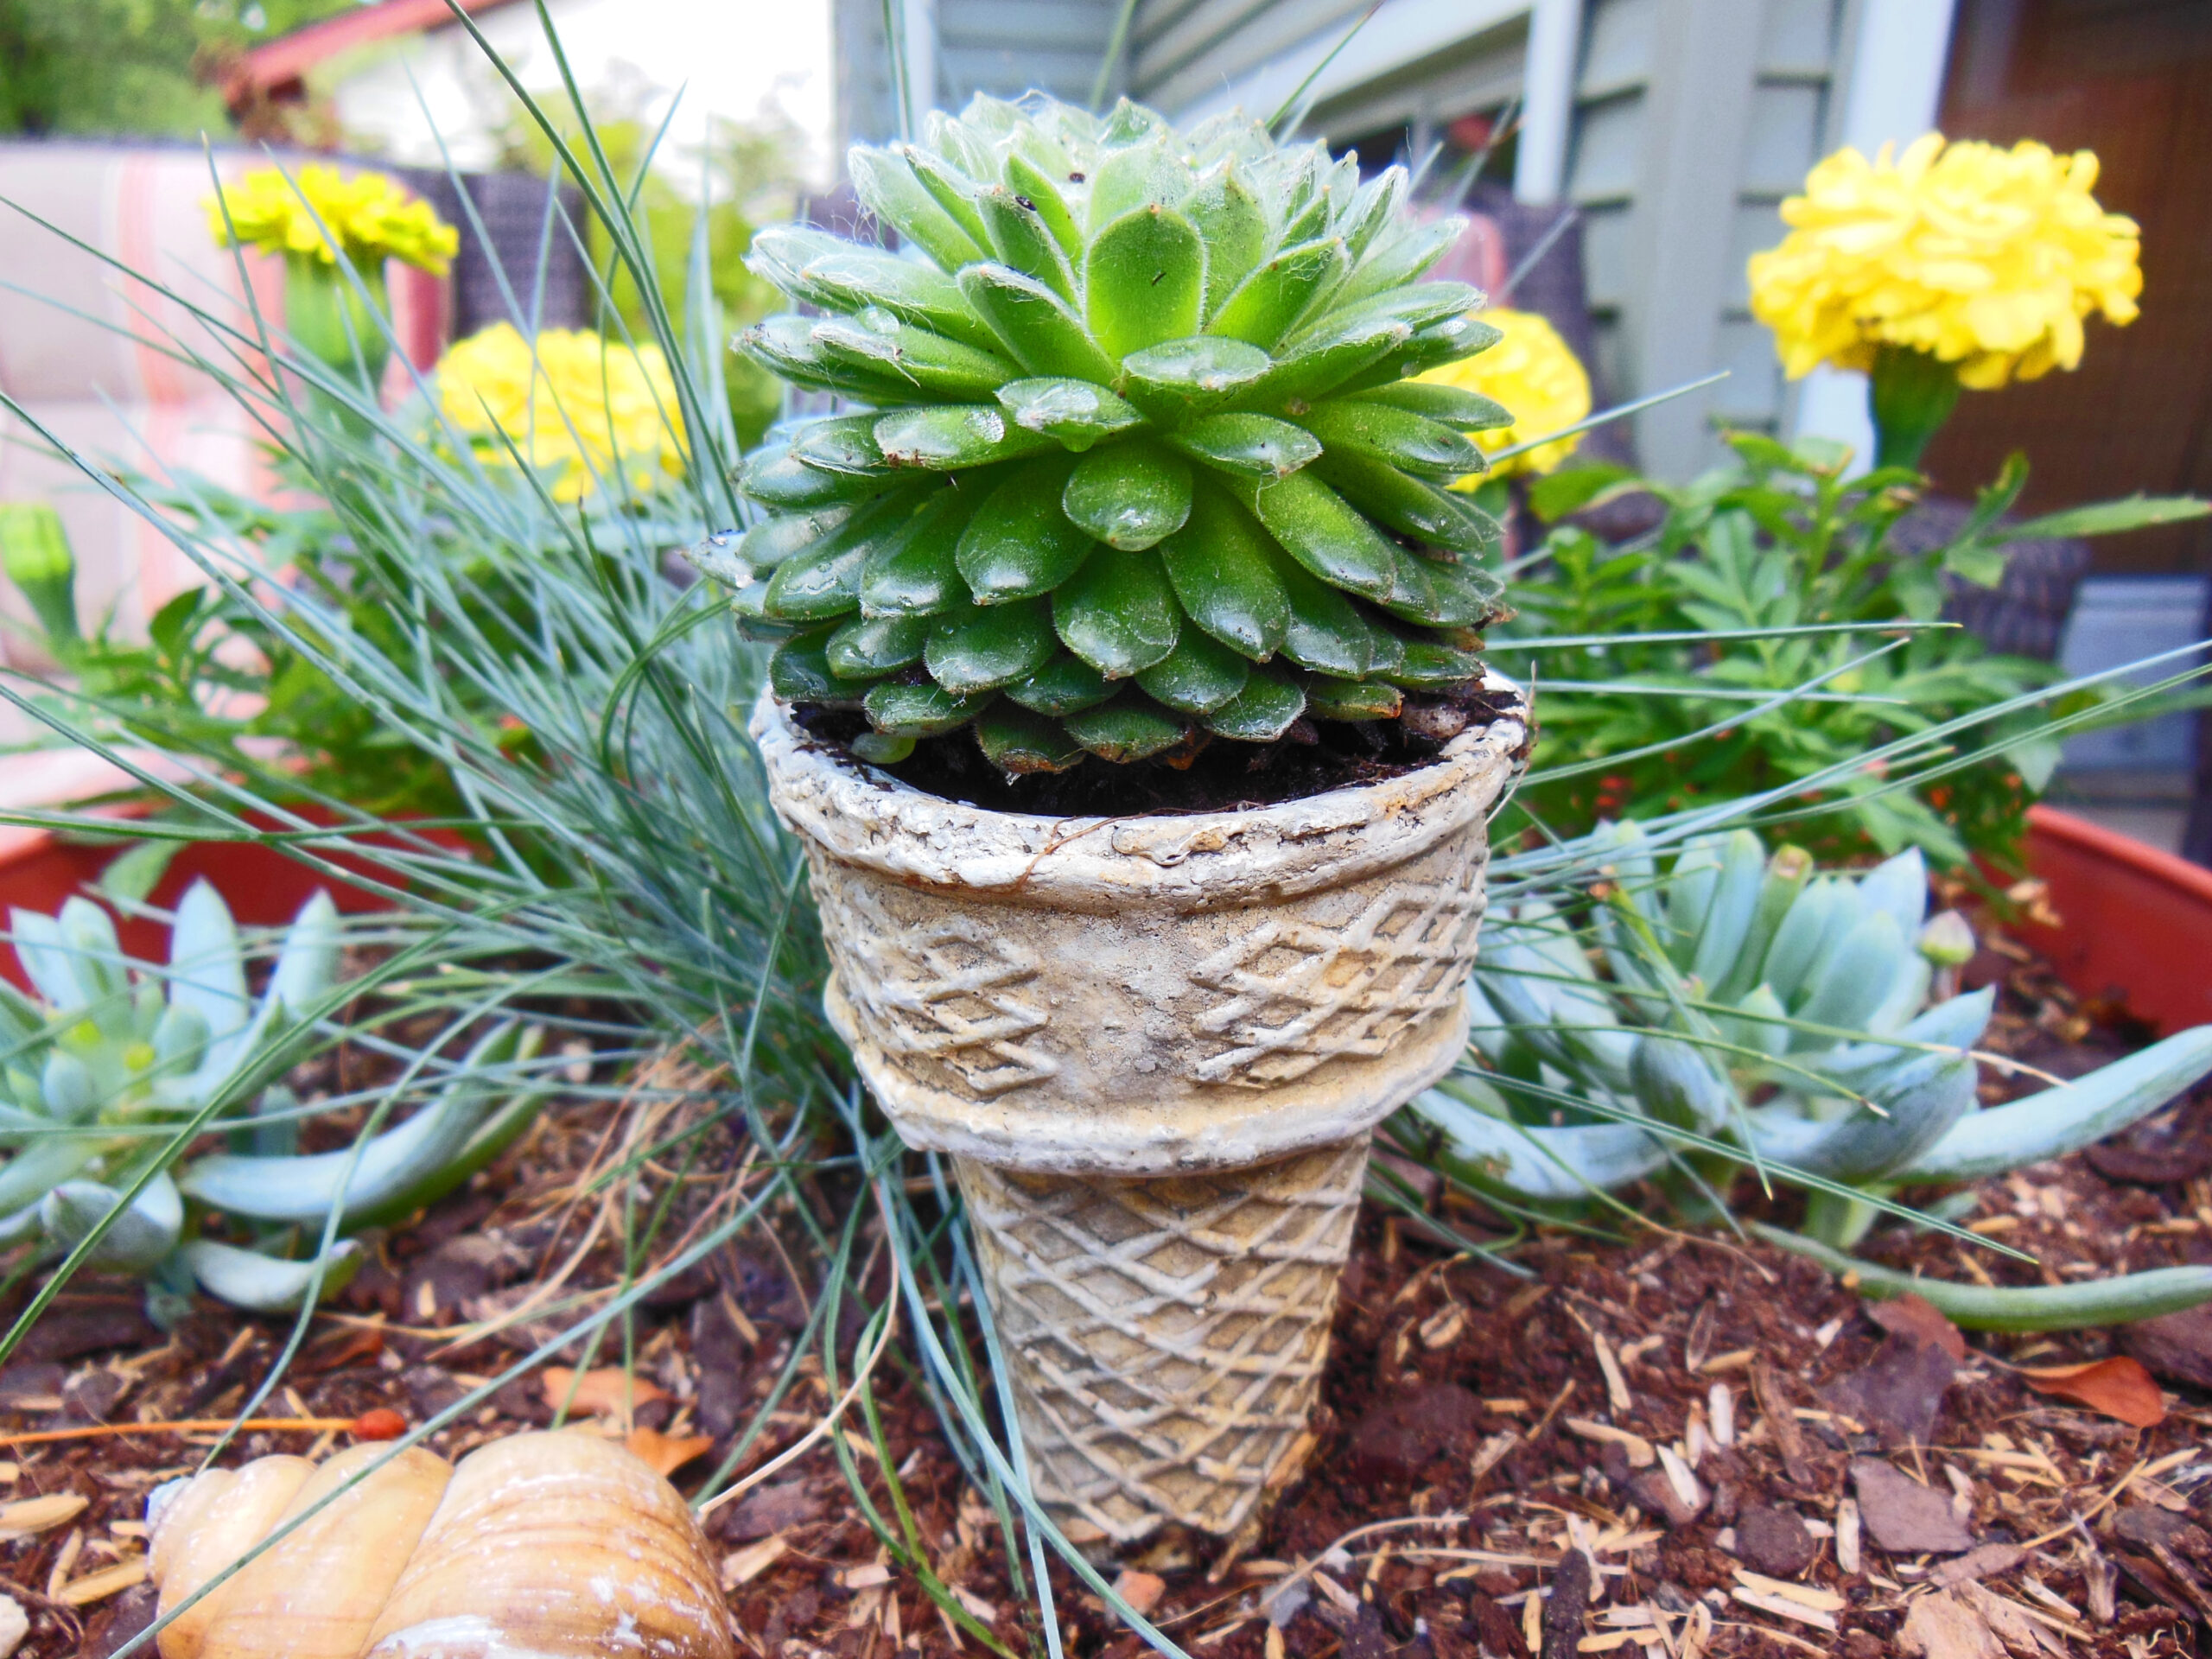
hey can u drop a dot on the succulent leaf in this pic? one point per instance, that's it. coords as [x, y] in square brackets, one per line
[1148, 302]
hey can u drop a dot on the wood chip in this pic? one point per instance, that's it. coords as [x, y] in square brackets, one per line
[1781, 1607]
[1616, 1384]
[1492, 1452]
[1805, 1595]
[749, 1563]
[1782, 1421]
[99, 1587]
[1641, 1453]
[985, 1613]
[1847, 1536]
[1142, 1591]
[1680, 1477]
[866, 1577]
[1442, 1329]
[1720, 1407]
[1734, 1360]
[28, 1516]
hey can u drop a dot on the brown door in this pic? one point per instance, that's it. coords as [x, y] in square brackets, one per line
[2131, 79]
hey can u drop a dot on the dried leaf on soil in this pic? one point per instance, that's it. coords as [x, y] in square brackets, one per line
[666, 1453]
[1916, 1316]
[2118, 1387]
[597, 1393]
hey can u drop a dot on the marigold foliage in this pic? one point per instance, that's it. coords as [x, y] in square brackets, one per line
[1140, 464]
[1535, 374]
[576, 407]
[1985, 258]
[368, 215]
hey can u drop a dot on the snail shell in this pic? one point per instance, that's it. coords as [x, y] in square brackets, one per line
[555, 1546]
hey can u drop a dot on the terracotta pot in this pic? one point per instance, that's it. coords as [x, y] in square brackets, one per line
[2135, 922]
[39, 870]
[1155, 1047]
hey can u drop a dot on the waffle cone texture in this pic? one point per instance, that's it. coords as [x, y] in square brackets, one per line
[1156, 1048]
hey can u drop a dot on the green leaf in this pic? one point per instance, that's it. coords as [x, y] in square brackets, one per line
[868, 647]
[1323, 532]
[1326, 358]
[1978, 562]
[923, 364]
[886, 186]
[1245, 442]
[1459, 596]
[1018, 741]
[1269, 302]
[1396, 437]
[1198, 676]
[1022, 240]
[1555, 495]
[133, 874]
[951, 188]
[1330, 698]
[772, 541]
[789, 347]
[1035, 325]
[1221, 566]
[845, 443]
[776, 478]
[1075, 413]
[1400, 256]
[1117, 613]
[836, 274]
[914, 572]
[1020, 543]
[1325, 632]
[1063, 686]
[909, 709]
[1180, 376]
[956, 437]
[1469, 411]
[1261, 712]
[1372, 209]
[1426, 665]
[1042, 191]
[824, 581]
[2110, 517]
[799, 672]
[1143, 279]
[1131, 495]
[1128, 729]
[981, 648]
[1234, 226]
[1409, 505]
[1146, 175]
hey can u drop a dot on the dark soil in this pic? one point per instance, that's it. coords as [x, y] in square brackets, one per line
[1481, 1419]
[1201, 776]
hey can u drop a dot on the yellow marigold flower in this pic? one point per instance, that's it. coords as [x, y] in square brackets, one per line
[368, 215]
[577, 406]
[1985, 258]
[1534, 373]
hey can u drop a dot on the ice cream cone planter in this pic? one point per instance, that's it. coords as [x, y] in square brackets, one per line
[1156, 1048]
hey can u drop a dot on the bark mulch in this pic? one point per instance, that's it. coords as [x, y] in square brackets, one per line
[1653, 1443]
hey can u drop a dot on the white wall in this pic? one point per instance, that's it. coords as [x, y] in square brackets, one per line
[730, 58]
[1893, 95]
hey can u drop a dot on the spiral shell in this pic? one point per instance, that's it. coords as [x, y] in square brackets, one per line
[553, 1546]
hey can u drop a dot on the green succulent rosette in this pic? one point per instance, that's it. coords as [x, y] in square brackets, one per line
[1133, 457]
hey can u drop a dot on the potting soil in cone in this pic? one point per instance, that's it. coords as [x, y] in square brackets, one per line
[1156, 1048]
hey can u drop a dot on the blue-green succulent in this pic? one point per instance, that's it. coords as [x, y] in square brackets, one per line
[1753, 1011]
[110, 1058]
